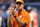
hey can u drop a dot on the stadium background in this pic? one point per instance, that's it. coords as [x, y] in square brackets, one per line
[35, 4]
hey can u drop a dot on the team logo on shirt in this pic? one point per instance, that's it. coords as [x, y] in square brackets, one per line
[20, 16]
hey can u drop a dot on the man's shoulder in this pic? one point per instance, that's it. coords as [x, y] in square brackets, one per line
[25, 11]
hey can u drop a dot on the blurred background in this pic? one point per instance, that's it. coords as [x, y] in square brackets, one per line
[29, 5]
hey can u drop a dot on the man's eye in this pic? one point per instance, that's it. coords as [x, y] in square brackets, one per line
[17, 4]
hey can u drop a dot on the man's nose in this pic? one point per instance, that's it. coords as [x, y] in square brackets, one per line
[19, 4]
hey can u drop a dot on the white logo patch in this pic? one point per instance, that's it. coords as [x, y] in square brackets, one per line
[20, 16]
[18, 0]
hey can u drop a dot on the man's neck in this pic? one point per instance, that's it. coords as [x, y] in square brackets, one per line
[19, 11]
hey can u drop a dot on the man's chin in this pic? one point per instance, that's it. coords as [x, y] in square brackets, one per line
[18, 9]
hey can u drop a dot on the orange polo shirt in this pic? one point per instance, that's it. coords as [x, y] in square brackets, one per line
[23, 16]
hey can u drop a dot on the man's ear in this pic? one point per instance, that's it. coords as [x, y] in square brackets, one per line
[22, 6]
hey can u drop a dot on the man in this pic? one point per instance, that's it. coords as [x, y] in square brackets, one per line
[21, 18]
[0, 19]
[33, 17]
[4, 16]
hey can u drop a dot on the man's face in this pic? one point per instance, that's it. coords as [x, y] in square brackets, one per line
[19, 6]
